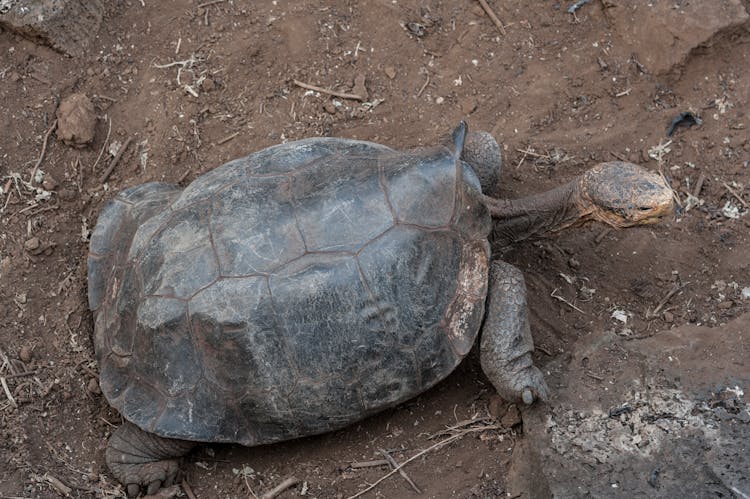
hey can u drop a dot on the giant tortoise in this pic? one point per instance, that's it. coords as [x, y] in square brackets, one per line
[314, 283]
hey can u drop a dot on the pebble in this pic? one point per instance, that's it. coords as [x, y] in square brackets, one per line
[93, 387]
[25, 354]
[329, 107]
[49, 183]
[208, 85]
[574, 264]
[496, 406]
[390, 72]
[359, 86]
[668, 317]
[32, 244]
[76, 120]
[726, 305]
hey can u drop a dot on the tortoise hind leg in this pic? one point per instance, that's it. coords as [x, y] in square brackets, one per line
[140, 459]
[506, 338]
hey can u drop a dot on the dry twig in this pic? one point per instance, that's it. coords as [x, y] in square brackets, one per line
[206, 4]
[618, 156]
[600, 237]
[188, 490]
[421, 453]
[44, 150]
[7, 392]
[21, 375]
[699, 186]
[289, 482]
[335, 93]
[421, 89]
[558, 297]
[667, 297]
[734, 193]
[492, 16]
[104, 146]
[56, 484]
[115, 160]
[227, 138]
[369, 464]
[394, 465]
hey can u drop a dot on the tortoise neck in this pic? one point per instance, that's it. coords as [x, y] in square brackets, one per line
[538, 215]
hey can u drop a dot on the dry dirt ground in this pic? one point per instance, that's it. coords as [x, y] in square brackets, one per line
[196, 86]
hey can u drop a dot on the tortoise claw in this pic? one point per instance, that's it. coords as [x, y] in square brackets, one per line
[153, 487]
[527, 396]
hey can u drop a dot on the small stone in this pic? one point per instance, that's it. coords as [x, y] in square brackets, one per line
[726, 305]
[439, 100]
[359, 86]
[574, 264]
[668, 317]
[329, 107]
[208, 85]
[93, 387]
[76, 120]
[25, 354]
[512, 417]
[13, 76]
[390, 72]
[496, 406]
[416, 29]
[49, 184]
[32, 244]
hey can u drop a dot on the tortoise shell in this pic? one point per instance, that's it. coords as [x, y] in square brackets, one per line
[290, 292]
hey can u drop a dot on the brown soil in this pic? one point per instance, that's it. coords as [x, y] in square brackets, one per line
[568, 90]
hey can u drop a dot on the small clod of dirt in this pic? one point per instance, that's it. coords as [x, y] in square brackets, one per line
[76, 120]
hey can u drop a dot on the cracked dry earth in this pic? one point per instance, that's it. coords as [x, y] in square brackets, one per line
[641, 334]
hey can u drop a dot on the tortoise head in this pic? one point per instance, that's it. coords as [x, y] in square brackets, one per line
[624, 195]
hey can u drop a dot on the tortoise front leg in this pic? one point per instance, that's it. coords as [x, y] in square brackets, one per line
[506, 338]
[140, 459]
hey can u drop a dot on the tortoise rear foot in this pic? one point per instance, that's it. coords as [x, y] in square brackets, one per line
[139, 459]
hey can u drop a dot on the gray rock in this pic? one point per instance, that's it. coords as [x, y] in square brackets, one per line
[669, 418]
[67, 26]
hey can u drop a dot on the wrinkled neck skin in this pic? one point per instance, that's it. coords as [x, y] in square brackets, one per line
[538, 215]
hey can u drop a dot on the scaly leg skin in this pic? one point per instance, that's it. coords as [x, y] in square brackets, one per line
[506, 338]
[483, 153]
[140, 459]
